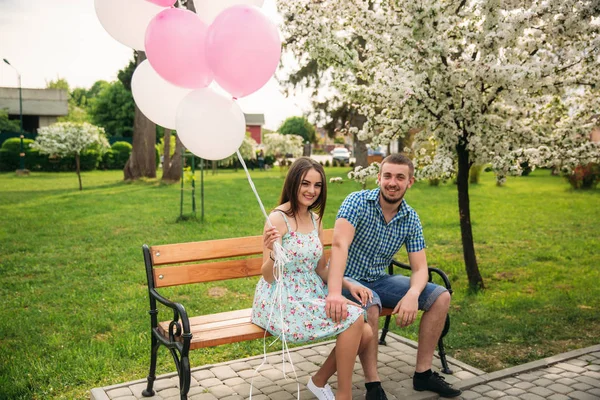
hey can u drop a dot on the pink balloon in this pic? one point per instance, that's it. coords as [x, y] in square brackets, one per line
[175, 47]
[163, 3]
[243, 49]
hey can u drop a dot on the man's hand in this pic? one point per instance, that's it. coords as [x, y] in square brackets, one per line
[407, 309]
[335, 307]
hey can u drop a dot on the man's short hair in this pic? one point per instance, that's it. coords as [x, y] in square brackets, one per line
[399, 159]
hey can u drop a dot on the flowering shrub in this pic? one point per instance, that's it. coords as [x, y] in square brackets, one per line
[279, 146]
[336, 179]
[585, 176]
[65, 139]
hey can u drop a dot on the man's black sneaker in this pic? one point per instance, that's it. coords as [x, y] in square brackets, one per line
[376, 393]
[435, 383]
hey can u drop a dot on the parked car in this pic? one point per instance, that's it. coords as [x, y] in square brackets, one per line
[341, 156]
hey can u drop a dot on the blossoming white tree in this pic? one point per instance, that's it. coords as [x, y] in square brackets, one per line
[465, 72]
[70, 139]
[278, 145]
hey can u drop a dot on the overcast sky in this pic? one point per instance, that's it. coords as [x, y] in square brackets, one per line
[49, 39]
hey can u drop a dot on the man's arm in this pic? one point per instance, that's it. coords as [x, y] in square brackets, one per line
[408, 307]
[343, 234]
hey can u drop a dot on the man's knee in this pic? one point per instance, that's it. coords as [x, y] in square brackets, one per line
[442, 303]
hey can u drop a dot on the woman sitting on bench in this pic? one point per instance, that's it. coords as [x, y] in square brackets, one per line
[299, 303]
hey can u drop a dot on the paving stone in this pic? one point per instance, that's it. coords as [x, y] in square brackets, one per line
[281, 395]
[495, 394]
[577, 362]
[223, 391]
[570, 367]
[581, 386]
[578, 395]
[307, 366]
[560, 388]
[514, 391]
[566, 381]
[528, 377]
[470, 395]
[499, 385]
[243, 389]
[541, 391]
[240, 366]
[235, 381]
[511, 381]
[210, 382]
[558, 396]
[588, 380]
[531, 396]
[201, 396]
[260, 382]
[482, 388]
[595, 392]
[463, 375]
[120, 392]
[542, 382]
[223, 372]
[592, 374]
[202, 374]
[169, 393]
[524, 385]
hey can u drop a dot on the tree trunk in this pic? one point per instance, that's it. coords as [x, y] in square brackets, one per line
[464, 209]
[78, 169]
[360, 147]
[172, 170]
[142, 161]
[166, 149]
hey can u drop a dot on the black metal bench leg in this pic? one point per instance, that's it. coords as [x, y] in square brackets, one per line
[441, 351]
[385, 330]
[154, 345]
[184, 377]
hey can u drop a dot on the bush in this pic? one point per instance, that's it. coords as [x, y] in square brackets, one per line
[474, 173]
[14, 144]
[327, 164]
[585, 176]
[120, 152]
[269, 160]
[10, 154]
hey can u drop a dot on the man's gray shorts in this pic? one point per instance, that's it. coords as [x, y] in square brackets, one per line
[390, 289]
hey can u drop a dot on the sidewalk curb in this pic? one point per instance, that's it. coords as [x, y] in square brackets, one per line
[519, 369]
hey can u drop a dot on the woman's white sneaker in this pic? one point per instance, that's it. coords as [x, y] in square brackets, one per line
[322, 393]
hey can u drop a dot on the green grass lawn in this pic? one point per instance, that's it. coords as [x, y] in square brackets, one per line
[72, 278]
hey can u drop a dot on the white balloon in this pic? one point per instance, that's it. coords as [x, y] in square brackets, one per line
[207, 10]
[156, 98]
[126, 20]
[210, 125]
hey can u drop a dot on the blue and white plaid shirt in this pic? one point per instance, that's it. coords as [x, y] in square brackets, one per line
[375, 241]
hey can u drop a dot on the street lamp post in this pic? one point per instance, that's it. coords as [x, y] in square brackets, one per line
[22, 150]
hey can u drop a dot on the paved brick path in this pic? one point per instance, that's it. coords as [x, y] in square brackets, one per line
[573, 375]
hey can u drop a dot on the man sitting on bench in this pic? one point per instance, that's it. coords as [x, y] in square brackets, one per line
[371, 226]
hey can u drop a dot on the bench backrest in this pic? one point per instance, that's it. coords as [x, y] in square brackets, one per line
[177, 263]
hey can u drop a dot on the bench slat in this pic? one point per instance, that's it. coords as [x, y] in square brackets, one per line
[226, 327]
[214, 249]
[209, 272]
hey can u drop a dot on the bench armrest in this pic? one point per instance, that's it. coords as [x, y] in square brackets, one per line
[179, 314]
[431, 270]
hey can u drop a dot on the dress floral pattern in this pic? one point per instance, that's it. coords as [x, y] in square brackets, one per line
[301, 304]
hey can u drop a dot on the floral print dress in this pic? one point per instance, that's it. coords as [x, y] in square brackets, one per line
[301, 302]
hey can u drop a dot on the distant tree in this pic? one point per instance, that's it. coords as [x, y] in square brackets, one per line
[70, 139]
[8, 125]
[58, 83]
[113, 109]
[298, 126]
[280, 146]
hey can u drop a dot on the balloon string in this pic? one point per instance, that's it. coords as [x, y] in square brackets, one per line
[280, 260]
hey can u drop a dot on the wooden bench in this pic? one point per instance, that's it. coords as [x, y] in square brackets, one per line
[208, 261]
